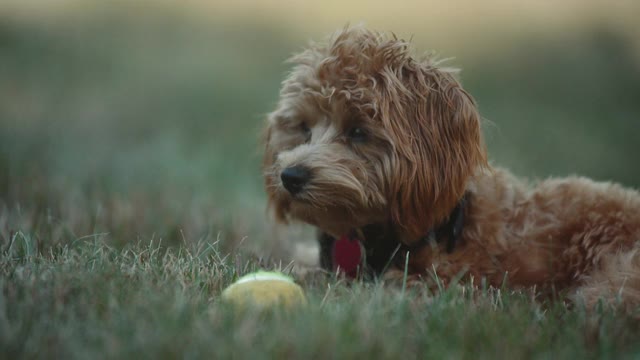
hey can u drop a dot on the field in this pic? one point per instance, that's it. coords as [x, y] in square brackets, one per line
[131, 194]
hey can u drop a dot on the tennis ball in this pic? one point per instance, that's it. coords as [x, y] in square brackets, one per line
[264, 289]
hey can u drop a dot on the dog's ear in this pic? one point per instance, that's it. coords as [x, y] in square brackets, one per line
[435, 127]
[268, 156]
[268, 160]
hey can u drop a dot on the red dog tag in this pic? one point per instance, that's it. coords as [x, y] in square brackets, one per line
[347, 255]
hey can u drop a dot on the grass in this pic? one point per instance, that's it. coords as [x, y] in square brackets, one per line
[130, 194]
[88, 300]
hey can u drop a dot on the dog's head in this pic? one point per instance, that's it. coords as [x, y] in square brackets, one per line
[366, 133]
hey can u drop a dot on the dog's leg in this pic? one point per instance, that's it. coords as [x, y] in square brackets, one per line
[616, 282]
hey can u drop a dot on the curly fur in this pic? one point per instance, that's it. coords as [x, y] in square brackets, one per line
[422, 152]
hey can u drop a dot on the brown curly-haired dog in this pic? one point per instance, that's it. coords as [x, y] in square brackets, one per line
[378, 148]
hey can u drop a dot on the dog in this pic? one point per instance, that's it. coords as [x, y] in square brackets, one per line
[382, 151]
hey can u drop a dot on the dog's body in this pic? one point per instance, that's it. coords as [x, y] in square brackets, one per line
[368, 137]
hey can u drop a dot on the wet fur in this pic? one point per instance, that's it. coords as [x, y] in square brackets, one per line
[423, 150]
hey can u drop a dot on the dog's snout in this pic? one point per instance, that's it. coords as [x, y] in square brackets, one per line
[295, 178]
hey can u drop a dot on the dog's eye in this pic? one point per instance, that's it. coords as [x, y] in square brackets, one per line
[357, 134]
[304, 128]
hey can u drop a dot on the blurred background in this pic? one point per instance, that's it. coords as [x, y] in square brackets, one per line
[132, 121]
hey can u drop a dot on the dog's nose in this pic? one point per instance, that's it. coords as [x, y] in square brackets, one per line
[295, 178]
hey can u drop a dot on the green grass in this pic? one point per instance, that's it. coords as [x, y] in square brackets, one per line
[131, 195]
[88, 300]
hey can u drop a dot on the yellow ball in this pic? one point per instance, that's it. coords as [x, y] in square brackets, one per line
[264, 289]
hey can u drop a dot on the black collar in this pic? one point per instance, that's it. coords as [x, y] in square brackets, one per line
[381, 243]
[449, 231]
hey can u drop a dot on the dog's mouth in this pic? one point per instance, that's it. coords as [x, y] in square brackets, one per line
[315, 195]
